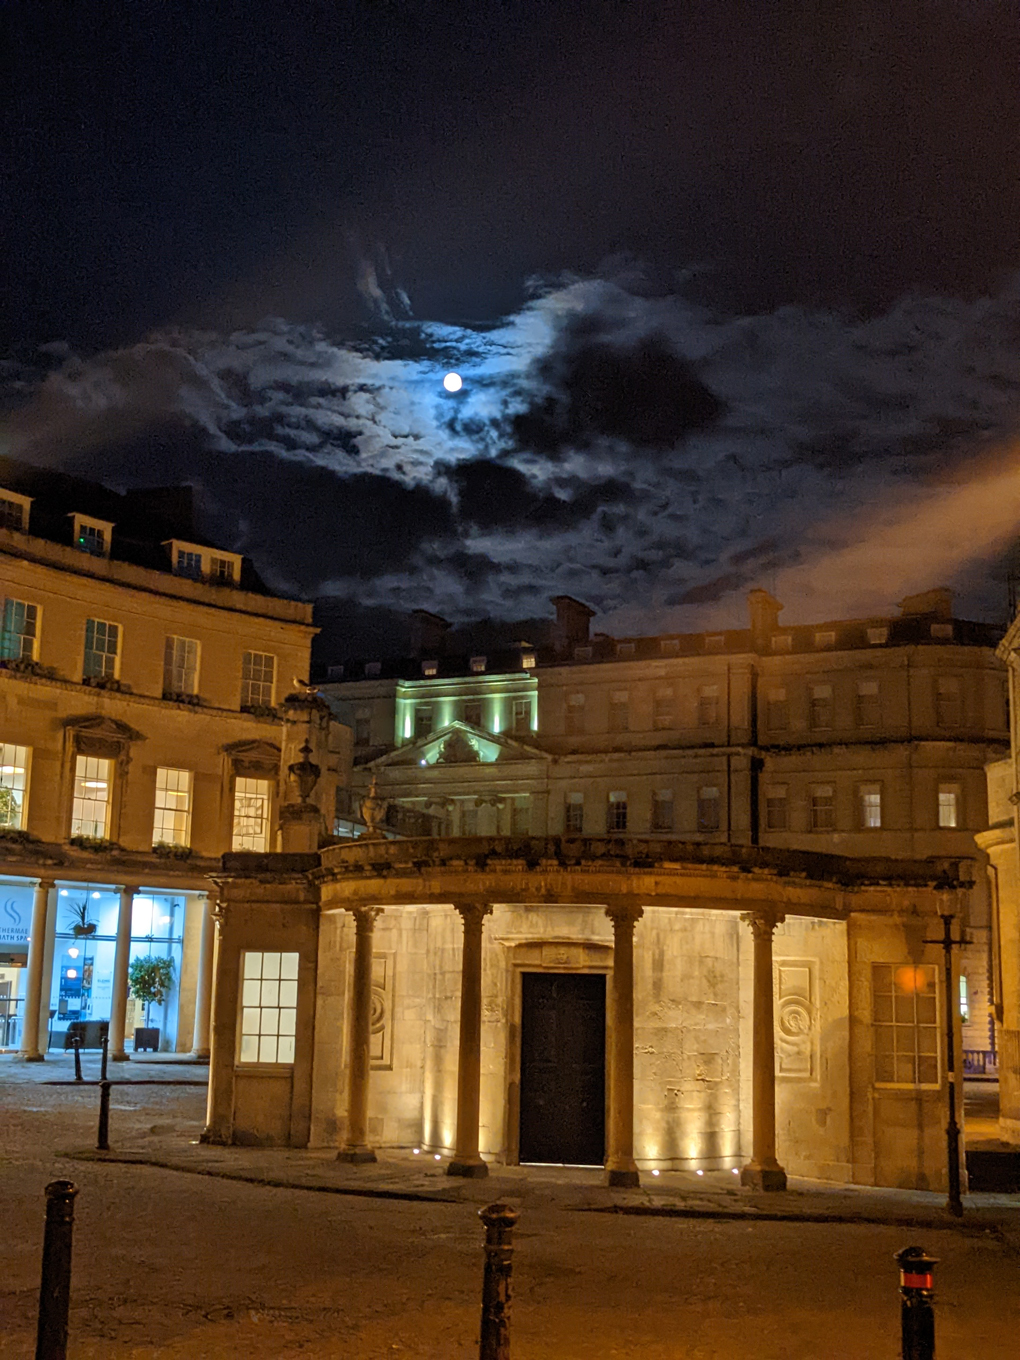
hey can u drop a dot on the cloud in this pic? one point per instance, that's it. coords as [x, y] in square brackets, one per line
[611, 441]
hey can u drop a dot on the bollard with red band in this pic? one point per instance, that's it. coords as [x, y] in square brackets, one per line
[917, 1317]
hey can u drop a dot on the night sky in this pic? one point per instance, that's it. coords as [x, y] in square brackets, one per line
[733, 287]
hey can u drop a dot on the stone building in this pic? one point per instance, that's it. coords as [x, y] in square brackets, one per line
[674, 910]
[147, 708]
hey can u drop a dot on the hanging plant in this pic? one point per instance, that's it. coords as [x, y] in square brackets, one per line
[79, 914]
[151, 979]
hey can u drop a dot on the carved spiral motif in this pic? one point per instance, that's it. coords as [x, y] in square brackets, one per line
[378, 1011]
[795, 1019]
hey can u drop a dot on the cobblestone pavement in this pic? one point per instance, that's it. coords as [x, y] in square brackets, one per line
[185, 1266]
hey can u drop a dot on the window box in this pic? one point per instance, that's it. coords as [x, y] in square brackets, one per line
[25, 665]
[171, 697]
[260, 710]
[97, 845]
[108, 682]
[171, 850]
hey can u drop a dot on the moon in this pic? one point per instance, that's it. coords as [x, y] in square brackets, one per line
[453, 382]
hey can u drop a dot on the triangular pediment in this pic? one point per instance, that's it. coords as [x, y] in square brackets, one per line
[102, 727]
[460, 744]
[252, 750]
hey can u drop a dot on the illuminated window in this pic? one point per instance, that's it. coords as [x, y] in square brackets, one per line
[522, 716]
[252, 800]
[102, 646]
[821, 706]
[268, 1007]
[949, 805]
[188, 564]
[575, 715]
[430, 669]
[477, 664]
[777, 808]
[708, 705]
[823, 808]
[422, 721]
[964, 1000]
[258, 675]
[13, 784]
[90, 810]
[616, 813]
[528, 660]
[363, 727]
[469, 821]
[867, 712]
[869, 802]
[180, 666]
[573, 814]
[662, 810]
[777, 710]
[619, 719]
[905, 1024]
[473, 712]
[520, 817]
[19, 636]
[709, 812]
[877, 637]
[825, 639]
[948, 701]
[662, 708]
[171, 822]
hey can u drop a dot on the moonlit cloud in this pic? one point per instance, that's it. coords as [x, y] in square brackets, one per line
[646, 455]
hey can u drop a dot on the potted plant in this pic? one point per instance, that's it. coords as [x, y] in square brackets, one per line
[151, 979]
[79, 914]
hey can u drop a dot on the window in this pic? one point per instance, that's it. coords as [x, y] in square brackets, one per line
[102, 643]
[942, 632]
[662, 810]
[869, 803]
[13, 784]
[469, 821]
[251, 814]
[171, 823]
[905, 1024]
[520, 817]
[949, 805]
[528, 660]
[473, 712]
[422, 720]
[19, 637]
[180, 666]
[782, 642]
[268, 1007]
[877, 637]
[575, 715]
[821, 706]
[92, 536]
[188, 564]
[948, 701]
[258, 673]
[662, 708]
[582, 653]
[619, 719]
[14, 510]
[573, 814]
[708, 809]
[616, 813]
[826, 639]
[522, 716]
[90, 810]
[777, 710]
[964, 999]
[363, 727]
[372, 669]
[625, 649]
[477, 664]
[669, 646]
[430, 669]
[823, 808]
[866, 706]
[708, 705]
[777, 808]
[715, 642]
[221, 569]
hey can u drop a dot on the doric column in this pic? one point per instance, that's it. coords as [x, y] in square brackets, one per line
[204, 982]
[121, 957]
[466, 1158]
[621, 1168]
[30, 1049]
[356, 1148]
[763, 1171]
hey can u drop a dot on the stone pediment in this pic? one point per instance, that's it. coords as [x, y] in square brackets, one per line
[102, 727]
[265, 751]
[460, 744]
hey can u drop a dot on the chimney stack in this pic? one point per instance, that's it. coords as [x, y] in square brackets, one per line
[572, 620]
[938, 602]
[428, 634]
[764, 610]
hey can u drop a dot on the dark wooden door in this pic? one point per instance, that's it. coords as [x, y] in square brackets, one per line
[563, 1068]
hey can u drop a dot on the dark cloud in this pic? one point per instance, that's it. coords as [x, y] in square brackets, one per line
[495, 495]
[593, 386]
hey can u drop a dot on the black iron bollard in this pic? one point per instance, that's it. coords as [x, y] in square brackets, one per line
[103, 1140]
[106, 1054]
[76, 1045]
[499, 1220]
[55, 1290]
[916, 1295]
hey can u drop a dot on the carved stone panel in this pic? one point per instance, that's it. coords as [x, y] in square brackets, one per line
[797, 1019]
[382, 1011]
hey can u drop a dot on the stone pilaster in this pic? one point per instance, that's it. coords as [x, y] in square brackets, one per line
[467, 1160]
[763, 1171]
[621, 1168]
[204, 983]
[356, 1148]
[121, 958]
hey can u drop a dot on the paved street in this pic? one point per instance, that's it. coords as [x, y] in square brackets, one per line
[186, 1266]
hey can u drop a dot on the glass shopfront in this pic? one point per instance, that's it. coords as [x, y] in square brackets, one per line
[82, 981]
[16, 897]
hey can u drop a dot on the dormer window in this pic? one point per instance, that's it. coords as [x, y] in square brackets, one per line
[188, 564]
[625, 649]
[477, 664]
[92, 536]
[669, 646]
[222, 568]
[430, 669]
[715, 642]
[14, 510]
[372, 669]
[528, 661]
[203, 564]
